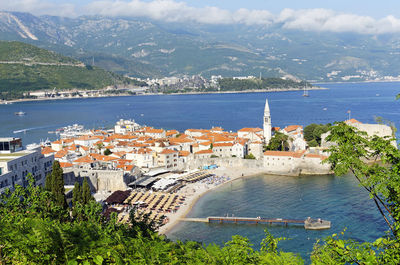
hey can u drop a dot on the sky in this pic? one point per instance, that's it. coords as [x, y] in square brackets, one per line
[361, 16]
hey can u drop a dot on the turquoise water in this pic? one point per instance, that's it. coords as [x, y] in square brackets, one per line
[337, 199]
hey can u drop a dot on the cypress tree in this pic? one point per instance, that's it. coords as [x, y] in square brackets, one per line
[76, 194]
[57, 187]
[86, 194]
[49, 182]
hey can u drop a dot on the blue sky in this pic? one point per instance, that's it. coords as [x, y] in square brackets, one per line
[372, 8]
[365, 17]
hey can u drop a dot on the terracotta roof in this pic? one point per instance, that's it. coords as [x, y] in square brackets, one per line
[61, 153]
[292, 128]
[171, 132]
[322, 157]
[353, 121]
[126, 167]
[250, 130]
[275, 129]
[218, 129]
[65, 164]
[84, 160]
[208, 151]
[47, 150]
[154, 131]
[102, 157]
[168, 151]
[222, 144]
[184, 153]
[284, 153]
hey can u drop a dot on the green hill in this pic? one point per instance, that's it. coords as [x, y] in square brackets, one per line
[24, 67]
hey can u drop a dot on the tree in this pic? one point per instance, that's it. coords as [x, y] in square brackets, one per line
[49, 182]
[278, 142]
[313, 132]
[99, 146]
[86, 194]
[249, 156]
[375, 163]
[57, 187]
[77, 194]
[107, 152]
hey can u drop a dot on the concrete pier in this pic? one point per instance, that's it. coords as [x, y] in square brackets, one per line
[312, 224]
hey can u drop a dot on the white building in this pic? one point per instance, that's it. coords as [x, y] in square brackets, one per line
[124, 126]
[16, 163]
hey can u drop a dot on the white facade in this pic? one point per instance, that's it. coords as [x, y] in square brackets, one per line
[14, 166]
[267, 123]
[124, 126]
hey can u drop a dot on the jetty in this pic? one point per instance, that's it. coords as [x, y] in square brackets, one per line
[308, 223]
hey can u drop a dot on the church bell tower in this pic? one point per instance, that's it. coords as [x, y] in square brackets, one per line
[267, 123]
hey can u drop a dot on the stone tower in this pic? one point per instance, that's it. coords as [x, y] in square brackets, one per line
[267, 123]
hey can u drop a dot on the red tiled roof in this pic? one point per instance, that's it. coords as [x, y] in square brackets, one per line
[292, 128]
[208, 151]
[184, 153]
[284, 153]
[47, 150]
[168, 151]
[65, 164]
[250, 130]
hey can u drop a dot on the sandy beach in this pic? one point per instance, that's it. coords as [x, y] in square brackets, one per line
[195, 191]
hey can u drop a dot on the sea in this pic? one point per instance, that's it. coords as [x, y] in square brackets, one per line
[338, 199]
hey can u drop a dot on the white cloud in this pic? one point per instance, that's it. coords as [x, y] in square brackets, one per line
[39, 7]
[178, 11]
[328, 20]
[172, 11]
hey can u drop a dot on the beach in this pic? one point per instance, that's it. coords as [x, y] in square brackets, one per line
[194, 191]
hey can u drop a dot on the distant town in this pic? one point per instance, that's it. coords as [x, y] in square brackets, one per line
[163, 172]
[177, 85]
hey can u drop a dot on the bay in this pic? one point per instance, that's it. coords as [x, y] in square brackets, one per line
[231, 111]
[339, 200]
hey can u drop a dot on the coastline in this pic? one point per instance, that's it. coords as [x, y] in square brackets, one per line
[195, 191]
[165, 94]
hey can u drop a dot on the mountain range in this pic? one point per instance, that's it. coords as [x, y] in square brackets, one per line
[146, 48]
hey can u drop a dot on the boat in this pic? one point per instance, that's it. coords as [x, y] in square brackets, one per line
[305, 93]
[316, 224]
[20, 113]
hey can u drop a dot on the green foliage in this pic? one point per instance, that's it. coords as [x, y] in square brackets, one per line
[76, 194]
[86, 194]
[278, 142]
[229, 84]
[249, 156]
[313, 132]
[56, 184]
[214, 156]
[211, 146]
[35, 230]
[32, 68]
[107, 152]
[375, 163]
